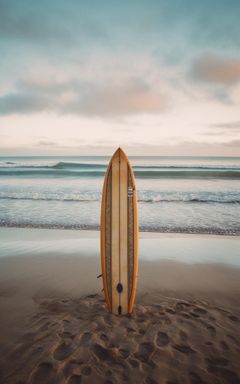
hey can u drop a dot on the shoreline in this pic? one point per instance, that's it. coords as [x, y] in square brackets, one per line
[95, 232]
[192, 231]
[180, 247]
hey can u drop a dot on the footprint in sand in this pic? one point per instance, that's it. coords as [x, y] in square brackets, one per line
[130, 330]
[44, 327]
[108, 319]
[183, 335]
[70, 366]
[92, 296]
[224, 345]
[167, 320]
[74, 379]
[211, 329]
[221, 361]
[44, 373]
[194, 314]
[113, 345]
[233, 339]
[87, 370]
[63, 350]
[86, 339]
[196, 379]
[224, 374]
[103, 337]
[186, 315]
[145, 351]
[200, 311]
[208, 343]
[162, 339]
[19, 350]
[171, 311]
[124, 353]
[183, 348]
[181, 306]
[141, 319]
[149, 380]
[134, 363]
[101, 352]
[66, 335]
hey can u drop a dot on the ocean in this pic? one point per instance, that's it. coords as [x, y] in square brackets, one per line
[175, 194]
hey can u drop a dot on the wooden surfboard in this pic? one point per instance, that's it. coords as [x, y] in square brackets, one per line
[119, 235]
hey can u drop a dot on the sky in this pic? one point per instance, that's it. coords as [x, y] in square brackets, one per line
[154, 77]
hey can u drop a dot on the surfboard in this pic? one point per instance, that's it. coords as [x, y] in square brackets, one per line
[119, 235]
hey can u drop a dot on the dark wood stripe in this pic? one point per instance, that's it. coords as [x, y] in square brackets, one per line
[108, 220]
[130, 236]
[119, 225]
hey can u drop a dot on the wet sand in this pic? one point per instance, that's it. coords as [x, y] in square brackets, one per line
[54, 328]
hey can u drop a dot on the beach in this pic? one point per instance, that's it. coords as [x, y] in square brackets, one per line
[55, 327]
[119, 192]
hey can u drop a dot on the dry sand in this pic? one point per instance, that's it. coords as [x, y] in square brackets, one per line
[54, 327]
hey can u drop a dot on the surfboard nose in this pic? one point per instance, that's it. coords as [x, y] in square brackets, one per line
[119, 152]
[116, 152]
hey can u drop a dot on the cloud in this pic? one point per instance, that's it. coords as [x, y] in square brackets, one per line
[191, 148]
[46, 143]
[216, 69]
[232, 125]
[130, 97]
[22, 102]
[111, 98]
[225, 129]
[234, 144]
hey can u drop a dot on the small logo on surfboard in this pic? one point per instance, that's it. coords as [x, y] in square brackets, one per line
[130, 192]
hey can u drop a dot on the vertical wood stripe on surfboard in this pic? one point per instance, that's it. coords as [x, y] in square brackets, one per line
[115, 251]
[123, 231]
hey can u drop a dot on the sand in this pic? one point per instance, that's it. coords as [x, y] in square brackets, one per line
[54, 327]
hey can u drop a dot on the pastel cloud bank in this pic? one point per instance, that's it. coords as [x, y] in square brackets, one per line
[156, 77]
[115, 98]
[211, 68]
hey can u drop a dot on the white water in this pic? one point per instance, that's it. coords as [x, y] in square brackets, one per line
[175, 194]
